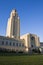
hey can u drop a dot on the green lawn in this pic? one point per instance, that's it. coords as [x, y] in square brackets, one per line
[21, 60]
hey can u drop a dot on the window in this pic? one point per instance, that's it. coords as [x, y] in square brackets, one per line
[2, 42]
[31, 45]
[10, 43]
[32, 38]
[33, 41]
[16, 44]
[6, 42]
[20, 44]
[13, 44]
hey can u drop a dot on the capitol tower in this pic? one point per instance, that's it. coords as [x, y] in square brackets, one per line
[13, 26]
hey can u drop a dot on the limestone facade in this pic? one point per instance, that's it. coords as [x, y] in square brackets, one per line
[13, 26]
[13, 40]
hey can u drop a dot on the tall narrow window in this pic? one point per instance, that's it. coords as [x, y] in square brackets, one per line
[16, 44]
[19, 44]
[22, 45]
[13, 44]
[2, 42]
[6, 42]
[10, 43]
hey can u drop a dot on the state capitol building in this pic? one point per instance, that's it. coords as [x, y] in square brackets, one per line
[13, 41]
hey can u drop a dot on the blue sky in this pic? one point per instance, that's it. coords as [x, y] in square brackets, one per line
[30, 13]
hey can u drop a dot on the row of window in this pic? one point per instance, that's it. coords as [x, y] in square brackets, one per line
[12, 44]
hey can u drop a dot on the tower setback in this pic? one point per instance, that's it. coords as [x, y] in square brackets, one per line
[13, 26]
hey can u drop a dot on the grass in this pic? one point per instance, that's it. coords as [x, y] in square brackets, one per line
[22, 60]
